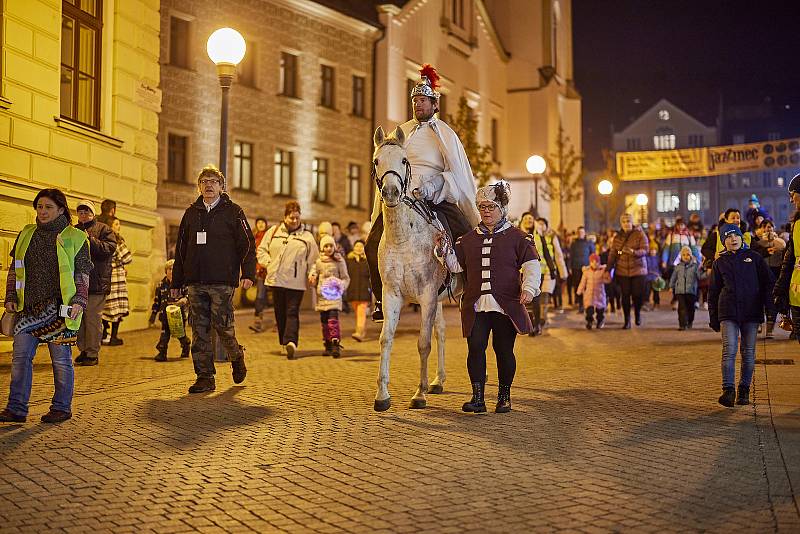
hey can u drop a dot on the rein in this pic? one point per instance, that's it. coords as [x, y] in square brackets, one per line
[420, 207]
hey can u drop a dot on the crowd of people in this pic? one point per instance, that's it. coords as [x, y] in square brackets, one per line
[68, 282]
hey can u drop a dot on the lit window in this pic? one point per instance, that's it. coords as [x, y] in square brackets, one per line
[664, 142]
[697, 201]
[663, 114]
[242, 165]
[354, 186]
[667, 201]
[319, 179]
[283, 172]
[779, 181]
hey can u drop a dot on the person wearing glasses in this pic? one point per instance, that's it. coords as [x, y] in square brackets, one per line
[492, 256]
[215, 253]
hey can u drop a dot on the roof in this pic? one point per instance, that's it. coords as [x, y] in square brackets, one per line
[363, 10]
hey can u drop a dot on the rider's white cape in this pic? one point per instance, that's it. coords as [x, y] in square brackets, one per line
[457, 172]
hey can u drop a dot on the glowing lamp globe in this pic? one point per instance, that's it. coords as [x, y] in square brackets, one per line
[536, 164]
[605, 187]
[641, 199]
[226, 46]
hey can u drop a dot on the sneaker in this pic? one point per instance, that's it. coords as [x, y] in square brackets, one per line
[336, 348]
[601, 324]
[239, 369]
[377, 313]
[106, 341]
[7, 416]
[291, 347]
[115, 342]
[56, 416]
[203, 384]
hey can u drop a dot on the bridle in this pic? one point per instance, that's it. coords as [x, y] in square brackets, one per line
[419, 206]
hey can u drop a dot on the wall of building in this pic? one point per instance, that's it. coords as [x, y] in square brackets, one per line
[118, 161]
[261, 116]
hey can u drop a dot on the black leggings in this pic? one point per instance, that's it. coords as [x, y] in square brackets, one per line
[503, 337]
[631, 287]
[287, 313]
[686, 308]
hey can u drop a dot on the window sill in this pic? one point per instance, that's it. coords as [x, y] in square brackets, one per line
[282, 195]
[322, 203]
[359, 208]
[245, 191]
[353, 115]
[79, 128]
[323, 106]
[290, 97]
[5, 103]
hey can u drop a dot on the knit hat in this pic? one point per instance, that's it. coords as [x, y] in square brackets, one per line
[594, 257]
[729, 229]
[794, 184]
[497, 193]
[86, 204]
[325, 228]
[327, 240]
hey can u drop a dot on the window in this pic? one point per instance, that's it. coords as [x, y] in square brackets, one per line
[247, 68]
[667, 201]
[779, 181]
[319, 180]
[457, 13]
[664, 142]
[495, 148]
[354, 186]
[177, 146]
[745, 181]
[695, 140]
[697, 201]
[738, 138]
[179, 31]
[442, 106]
[288, 75]
[242, 165]
[81, 29]
[767, 178]
[326, 93]
[283, 172]
[409, 106]
[633, 143]
[773, 136]
[358, 96]
[663, 114]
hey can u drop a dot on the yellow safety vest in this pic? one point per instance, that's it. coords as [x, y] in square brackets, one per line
[794, 284]
[69, 242]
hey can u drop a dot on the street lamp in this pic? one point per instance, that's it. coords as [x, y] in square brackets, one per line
[641, 201]
[226, 48]
[605, 188]
[536, 165]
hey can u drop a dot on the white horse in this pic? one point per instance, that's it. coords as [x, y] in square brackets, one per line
[408, 267]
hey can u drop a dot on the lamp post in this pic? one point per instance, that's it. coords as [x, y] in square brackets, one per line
[605, 188]
[536, 165]
[641, 201]
[226, 48]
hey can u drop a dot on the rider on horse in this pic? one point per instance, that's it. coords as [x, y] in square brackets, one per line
[440, 175]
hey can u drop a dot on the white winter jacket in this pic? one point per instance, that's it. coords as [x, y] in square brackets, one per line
[289, 256]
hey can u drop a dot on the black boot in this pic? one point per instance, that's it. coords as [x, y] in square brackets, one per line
[115, 340]
[638, 318]
[377, 312]
[185, 347]
[743, 396]
[161, 356]
[328, 351]
[203, 384]
[336, 349]
[728, 396]
[627, 324]
[503, 399]
[476, 404]
[81, 358]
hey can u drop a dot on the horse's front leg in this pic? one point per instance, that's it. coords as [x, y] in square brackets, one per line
[391, 316]
[437, 386]
[427, 314]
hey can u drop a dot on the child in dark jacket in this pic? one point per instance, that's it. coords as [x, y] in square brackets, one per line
[737, 299]
[683, 283]
[159, 310]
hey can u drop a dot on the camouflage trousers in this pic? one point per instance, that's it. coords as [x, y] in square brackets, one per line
[212, 307]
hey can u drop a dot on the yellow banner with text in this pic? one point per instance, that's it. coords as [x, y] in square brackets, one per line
[708, 161]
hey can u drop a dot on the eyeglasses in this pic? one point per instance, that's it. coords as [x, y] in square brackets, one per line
[209, 181]
[487, 207]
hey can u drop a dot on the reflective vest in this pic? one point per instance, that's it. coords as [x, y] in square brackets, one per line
[721, 246]
[794, 284]
[541, 242]
[69, 242]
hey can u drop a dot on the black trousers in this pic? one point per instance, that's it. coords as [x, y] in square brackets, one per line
[451, 218]
[686, 308]
[287, 313]
[503, 337]
[631, 288]
[590, 312]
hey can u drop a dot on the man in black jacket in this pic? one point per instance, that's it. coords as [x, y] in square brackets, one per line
[102, 245]
[786, 294]
[215, 243]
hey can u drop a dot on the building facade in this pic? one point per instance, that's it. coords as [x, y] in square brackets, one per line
[512, 62]
[300, 124]
[79, 105]
[665, 126]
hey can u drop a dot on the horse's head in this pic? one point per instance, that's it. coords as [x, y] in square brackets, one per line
[390, 167]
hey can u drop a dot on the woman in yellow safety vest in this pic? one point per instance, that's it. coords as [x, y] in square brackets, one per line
[787, 289]
[47, 290]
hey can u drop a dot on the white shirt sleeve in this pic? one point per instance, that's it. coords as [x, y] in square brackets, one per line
[532, 277]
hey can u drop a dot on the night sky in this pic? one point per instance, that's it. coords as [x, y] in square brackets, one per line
[628, 54]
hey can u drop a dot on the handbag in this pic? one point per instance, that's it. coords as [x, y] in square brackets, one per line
[7, 323]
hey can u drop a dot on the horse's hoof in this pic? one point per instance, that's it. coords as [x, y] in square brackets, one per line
[436, 389]
[383, 405]
[418, 404]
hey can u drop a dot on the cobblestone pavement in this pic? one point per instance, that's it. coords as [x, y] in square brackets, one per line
[611, 431]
